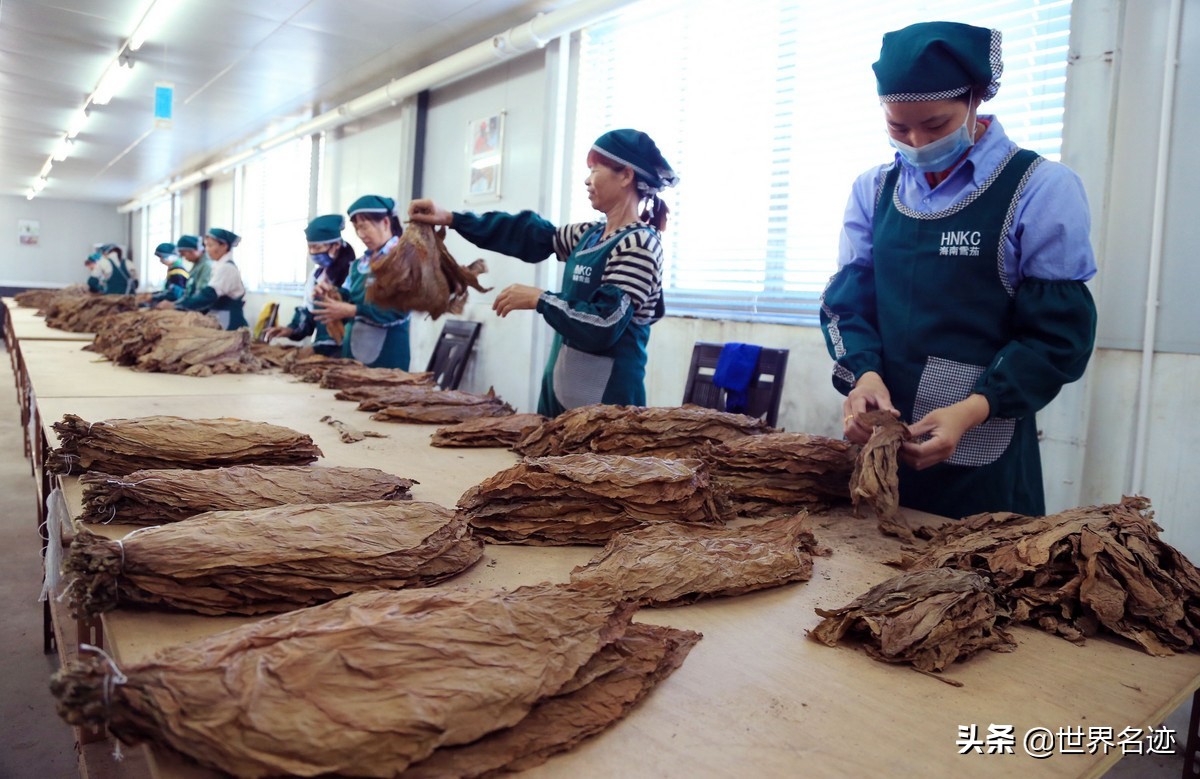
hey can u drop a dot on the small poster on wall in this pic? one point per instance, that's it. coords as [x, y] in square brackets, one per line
[28, 231]
[485, 146]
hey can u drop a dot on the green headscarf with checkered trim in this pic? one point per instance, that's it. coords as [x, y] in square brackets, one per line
[938, 61]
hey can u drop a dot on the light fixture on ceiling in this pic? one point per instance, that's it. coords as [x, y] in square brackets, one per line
[30, 194]
[39, 184]
[78, 120]
[113, 80]
[45, 171]
[151, 22]
[63, 149]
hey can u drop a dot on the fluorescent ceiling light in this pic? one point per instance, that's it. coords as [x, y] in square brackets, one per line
[151, 22]
[46, 169]
[39, 184]
[112, 82]
[63, 150]
[78, 120]
[30, 194]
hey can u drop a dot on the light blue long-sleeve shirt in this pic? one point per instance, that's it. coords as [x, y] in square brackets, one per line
[1049, 235]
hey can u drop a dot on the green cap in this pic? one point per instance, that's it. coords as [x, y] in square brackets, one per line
[938, 61]
[93, 257]
[164, 249]
[228, 237]
[325, 229]
[188, 242]
[636, 150]
[372, 204]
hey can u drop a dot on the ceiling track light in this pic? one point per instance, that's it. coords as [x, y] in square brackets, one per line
[39, 184]
[78, 120]
[63, 149]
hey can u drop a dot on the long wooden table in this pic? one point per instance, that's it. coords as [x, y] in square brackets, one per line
[755, 697]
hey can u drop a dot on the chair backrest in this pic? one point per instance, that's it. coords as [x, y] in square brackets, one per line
[764, 394]
[450, 353]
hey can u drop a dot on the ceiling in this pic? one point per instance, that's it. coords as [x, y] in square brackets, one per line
[240, 68]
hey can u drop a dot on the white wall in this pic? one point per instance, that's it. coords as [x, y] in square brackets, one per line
[69, 229]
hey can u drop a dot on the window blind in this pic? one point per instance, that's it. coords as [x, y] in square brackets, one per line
[767, 110]
[272, 206]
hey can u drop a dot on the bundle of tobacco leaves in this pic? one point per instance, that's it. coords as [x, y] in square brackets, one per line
[487, 431]
[419, 274]
[425, 405]
[126, 336]
[347, 376]
[154, 497]
[472, 681]
[876, 479]
[121, 446]
[272, 559]
[658, 432]
[198, 351]
[274, 355]
[307, 365]
[41, 299]
[777, 472]
[928, 619]
[82, 313]
[585, 498]
[668, 564]
[1080, 571]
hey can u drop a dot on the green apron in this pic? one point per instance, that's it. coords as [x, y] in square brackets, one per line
[121, 282]
[198, 278]
[945, 308]
[378, 342]
[574, 377]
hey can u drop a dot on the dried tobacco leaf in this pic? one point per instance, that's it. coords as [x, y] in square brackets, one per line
[155, 497]
[669, 564]
[268, 560]
[602, 692]
[121, 446]
[928, 619]
[876, 478]
[486, 431]
[585, 498]
[419, 274]
[82, 313]
[778, 472]
[309, 366]
[363, 686]
[425, 405]
[682, 431]
[349, 434]
[347, 376]
[126, 336]
[198, 351]
[1081, 570]
[42, 298]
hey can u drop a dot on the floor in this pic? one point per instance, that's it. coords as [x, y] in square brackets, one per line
[36, 744]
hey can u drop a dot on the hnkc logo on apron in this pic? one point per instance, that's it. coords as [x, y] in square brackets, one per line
[960, 243]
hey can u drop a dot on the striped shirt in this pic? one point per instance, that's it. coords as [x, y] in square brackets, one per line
[634, 265]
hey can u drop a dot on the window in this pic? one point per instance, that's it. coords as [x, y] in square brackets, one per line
[272, 211]
[767, 111]
[158, 220]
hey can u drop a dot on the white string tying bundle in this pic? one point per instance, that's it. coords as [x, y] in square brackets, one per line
[111, 680]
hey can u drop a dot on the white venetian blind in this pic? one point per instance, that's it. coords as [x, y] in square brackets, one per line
[767, 110]
[159, 224]
[272, 214]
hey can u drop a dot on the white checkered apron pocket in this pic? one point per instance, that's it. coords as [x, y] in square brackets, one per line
[944, 383]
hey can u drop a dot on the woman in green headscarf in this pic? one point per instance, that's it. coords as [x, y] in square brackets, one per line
[374, 335]
[331, 257]
[113, 273]
[222, 293]
[612, 281]
[960, 303]
[177, 274]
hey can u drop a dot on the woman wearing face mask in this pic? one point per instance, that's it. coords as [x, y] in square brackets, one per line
[374, 335]
[960, 302]
[222, 294]
[112, 274]
[612, 279]
[332, 257]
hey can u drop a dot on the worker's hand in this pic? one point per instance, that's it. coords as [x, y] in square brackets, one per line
[945, 428]
[323, 288]
[427, 212]
[164, 305]
[278, 332]
[869, 394]
[516, 297]
[326, 311]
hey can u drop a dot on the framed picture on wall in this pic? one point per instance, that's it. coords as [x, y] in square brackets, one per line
[485, 157]
[28, 231]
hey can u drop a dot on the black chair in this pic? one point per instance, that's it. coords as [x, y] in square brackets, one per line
[450, 353]
[764, 394]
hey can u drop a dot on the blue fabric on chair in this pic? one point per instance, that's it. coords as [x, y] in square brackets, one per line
[736, 368]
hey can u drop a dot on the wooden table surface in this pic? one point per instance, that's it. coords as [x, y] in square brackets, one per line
[755, 697]
[27, 326]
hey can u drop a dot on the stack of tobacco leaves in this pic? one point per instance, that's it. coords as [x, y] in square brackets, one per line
[198, 351]
[41, 299]
[125, 337]
[82, 313]
[1081, 570]
[122, 446]
[473, 682]
[876, 479]
[274, 355]
[307, 365]
[347, 376]
[487, 431]
[658, 432]
[776, 472]
[585, 498]
[269, 560]
[154, 497]
[419, 274]
[425, 405]
[926, 618]
[669, 564]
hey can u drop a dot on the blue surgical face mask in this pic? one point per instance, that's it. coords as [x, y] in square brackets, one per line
[324, 259]
[937, 155]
